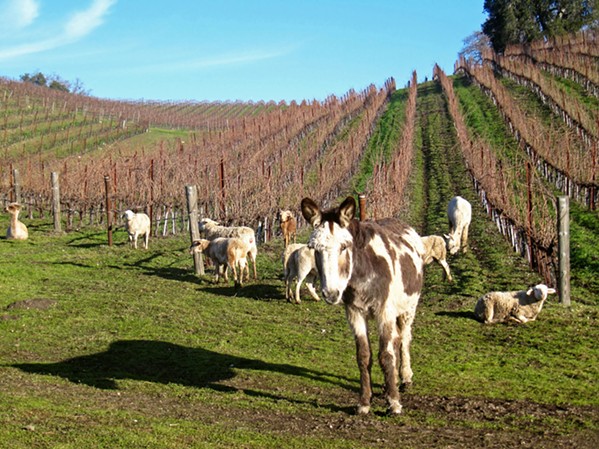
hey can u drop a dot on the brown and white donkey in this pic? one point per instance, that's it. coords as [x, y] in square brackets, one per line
[375, 269]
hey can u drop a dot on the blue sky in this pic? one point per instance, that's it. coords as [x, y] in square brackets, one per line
[228, 50]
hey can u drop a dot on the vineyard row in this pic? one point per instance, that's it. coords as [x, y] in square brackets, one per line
[247, 170]
[572, 168]
[518, 204]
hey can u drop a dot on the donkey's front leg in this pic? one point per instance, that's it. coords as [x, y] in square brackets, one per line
[359, 327]
[364, 359]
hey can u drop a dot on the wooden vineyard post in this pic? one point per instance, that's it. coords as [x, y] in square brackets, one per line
[55, 201]
[362, 204]
[16, 185]
[107, 188]
[191, 193]
[529, 213]
[223, 210]
[563, 231]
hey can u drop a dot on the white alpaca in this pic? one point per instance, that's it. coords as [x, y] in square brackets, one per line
[16, 230]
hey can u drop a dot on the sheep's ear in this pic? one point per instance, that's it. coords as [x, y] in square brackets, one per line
[311, 212]
[530, 291]
[551, 291]
[347, 210]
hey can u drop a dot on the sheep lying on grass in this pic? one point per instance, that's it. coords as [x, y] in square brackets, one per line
[435, 249]
[299, 262]
[228, 252]
[520, 306]
[16, 230]
[213, 230]
[137, 224]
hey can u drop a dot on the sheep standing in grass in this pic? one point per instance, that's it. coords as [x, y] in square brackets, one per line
[288, 226]
[226, 252]
[213, 230]
[459, 213]
[434, 249]
[299, 262]
[520, 306]
[16, 230]
[137, 224]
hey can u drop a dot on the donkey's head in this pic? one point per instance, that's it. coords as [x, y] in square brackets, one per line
[332, 243]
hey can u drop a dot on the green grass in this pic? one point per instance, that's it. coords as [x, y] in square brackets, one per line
[384, 140]
[137, 351]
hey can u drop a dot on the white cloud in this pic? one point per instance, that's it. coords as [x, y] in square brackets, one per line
[84, 22]
[78, 26]
[15, 14]
[184, 64]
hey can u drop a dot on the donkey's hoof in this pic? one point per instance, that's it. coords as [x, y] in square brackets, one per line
[363, 409]
[394, 408]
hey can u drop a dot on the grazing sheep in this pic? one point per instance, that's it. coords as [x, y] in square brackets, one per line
[434, 249]
[299, 262]
[459, 213]
[520, 306]
[288, 225]
[137, 224]
[229, 252]
[16, 230]
[213, 230]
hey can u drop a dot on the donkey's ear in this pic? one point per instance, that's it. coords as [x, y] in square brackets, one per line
[311, 212]
[347, 210]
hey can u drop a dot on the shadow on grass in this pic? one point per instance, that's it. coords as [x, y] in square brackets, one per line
[458, 314]
[255, 290]
[91, 240]
[166, 363]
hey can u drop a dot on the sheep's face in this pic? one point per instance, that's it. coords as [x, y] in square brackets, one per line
[198, 246]
[128, 214]
[285, 215]
[540, 292]
[206, 222]
[451, 244]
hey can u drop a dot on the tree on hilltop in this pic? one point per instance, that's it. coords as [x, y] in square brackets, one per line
[522, 21]
[474, 45]
[55, 82]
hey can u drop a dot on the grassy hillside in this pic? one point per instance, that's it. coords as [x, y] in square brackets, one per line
[105, 346]
[109, 347]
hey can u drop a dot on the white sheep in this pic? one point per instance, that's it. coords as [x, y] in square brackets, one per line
[16, 230]
[226, 252]
[137, 224]
[299, 262]
[434, 249]
[520, 306]
[459, 213]
[213, 230]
